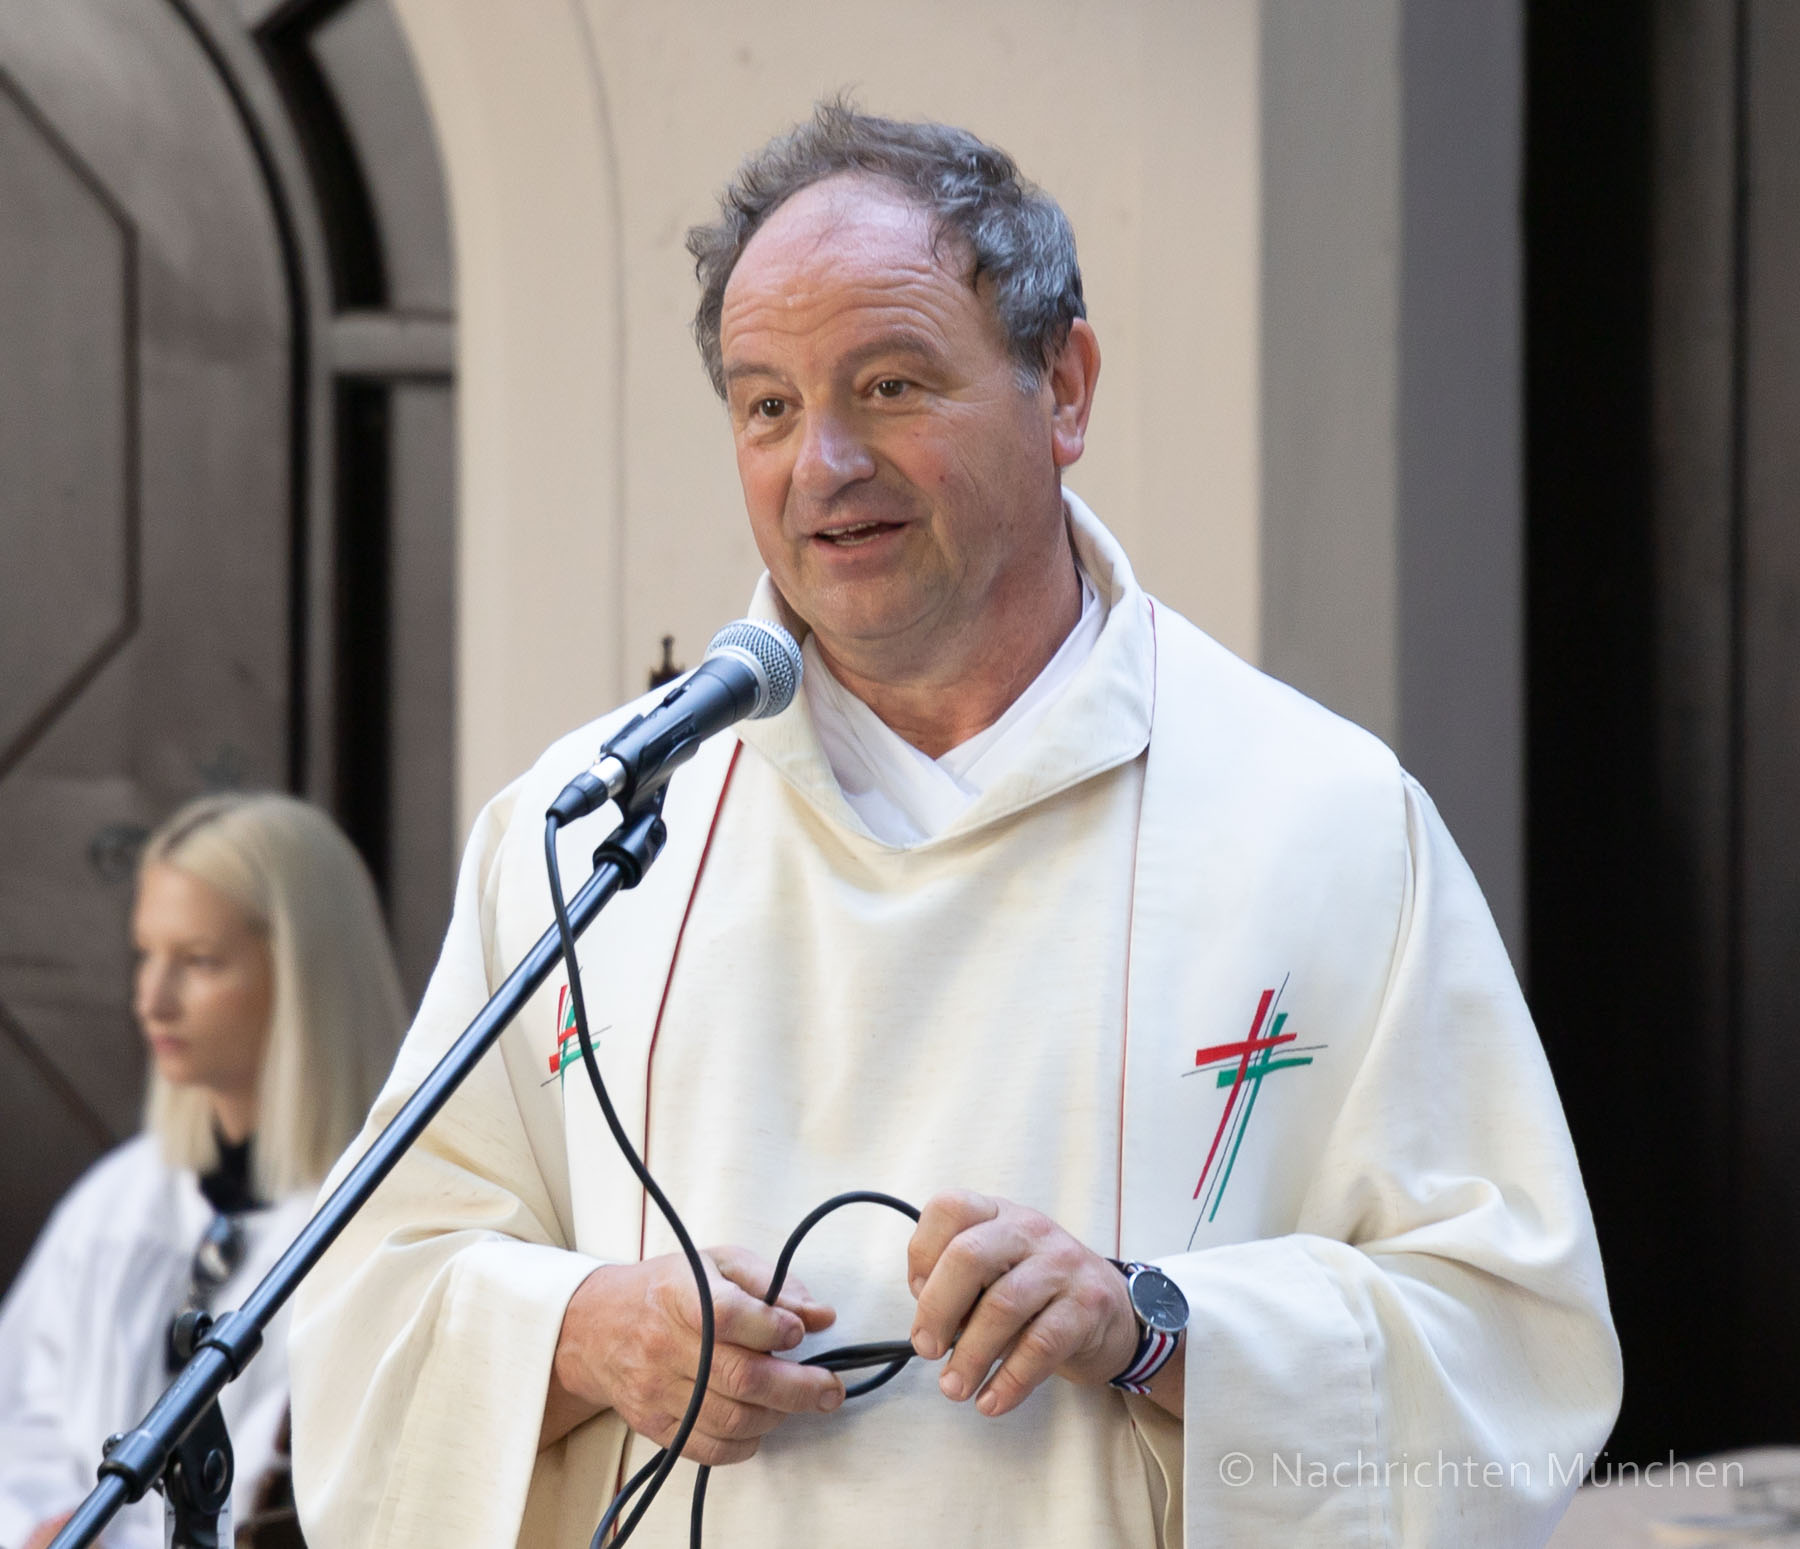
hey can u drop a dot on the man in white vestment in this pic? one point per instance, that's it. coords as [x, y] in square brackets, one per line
[1249, 1211]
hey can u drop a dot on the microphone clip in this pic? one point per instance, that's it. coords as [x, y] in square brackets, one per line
[634, 845]
[602, 781]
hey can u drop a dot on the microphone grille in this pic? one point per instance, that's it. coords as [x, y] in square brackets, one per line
[776, 655]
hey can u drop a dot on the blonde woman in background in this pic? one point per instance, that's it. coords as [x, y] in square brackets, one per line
[266, 992]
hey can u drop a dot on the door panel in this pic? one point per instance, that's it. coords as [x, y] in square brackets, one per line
[145, 514]
[64, 399]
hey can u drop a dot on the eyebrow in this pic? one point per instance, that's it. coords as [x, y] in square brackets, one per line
[908, 343]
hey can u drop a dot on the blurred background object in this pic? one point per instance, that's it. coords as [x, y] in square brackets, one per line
[267, 995]
[226, 460]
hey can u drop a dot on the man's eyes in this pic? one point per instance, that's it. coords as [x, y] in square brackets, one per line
[765, 410]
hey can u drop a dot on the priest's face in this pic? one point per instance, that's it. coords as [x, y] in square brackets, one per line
[902, 479]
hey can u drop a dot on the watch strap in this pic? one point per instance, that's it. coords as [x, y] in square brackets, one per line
[1153, 1353]
[1155, 1347]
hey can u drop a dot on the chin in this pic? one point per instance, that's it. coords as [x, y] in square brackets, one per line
[174, 1070]
[869, 619]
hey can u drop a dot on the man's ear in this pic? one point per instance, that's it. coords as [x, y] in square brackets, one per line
[1071, 380]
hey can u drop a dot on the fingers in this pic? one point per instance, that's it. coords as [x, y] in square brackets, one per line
[964, 1244]
[1002, 1320]
[741, 1318]
[711, 1452]
[630, 1341]
[944, 1217]
[815, 1314]
[753, 1273]
[1022, 1292]
[727, 1429]
[721, 1435]
[766, 1382]
[748, 1395]
[745, 1330]
[1044, 1347]
[749, 1391]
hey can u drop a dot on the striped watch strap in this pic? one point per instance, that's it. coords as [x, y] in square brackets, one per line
[1153, 1352]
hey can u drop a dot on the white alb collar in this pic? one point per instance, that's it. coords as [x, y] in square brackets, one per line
[902, 794]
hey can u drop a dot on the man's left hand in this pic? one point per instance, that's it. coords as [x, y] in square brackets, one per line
[1023, 1292]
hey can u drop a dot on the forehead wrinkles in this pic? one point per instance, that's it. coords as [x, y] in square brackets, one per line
[848, 249]
[898, 303]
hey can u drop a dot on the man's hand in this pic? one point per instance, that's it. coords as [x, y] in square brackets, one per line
[630, 1342]
[1047, 1305]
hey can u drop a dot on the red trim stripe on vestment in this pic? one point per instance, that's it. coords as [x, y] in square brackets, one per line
[663, 1004]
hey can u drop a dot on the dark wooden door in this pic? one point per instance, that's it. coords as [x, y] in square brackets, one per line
[1663, 247]
[146, 518]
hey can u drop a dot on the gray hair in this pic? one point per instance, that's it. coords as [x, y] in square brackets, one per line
[1021, 242]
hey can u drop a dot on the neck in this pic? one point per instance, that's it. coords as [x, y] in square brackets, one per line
[235, 1115]
[954, 694]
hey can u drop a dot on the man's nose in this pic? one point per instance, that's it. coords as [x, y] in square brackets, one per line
[832, 456]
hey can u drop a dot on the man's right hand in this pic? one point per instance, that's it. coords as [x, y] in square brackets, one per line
[630, 1342]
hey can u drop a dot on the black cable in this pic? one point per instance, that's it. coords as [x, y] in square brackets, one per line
[666, 1462]
[632, 1486]
[890, 1355]
[697, 1510]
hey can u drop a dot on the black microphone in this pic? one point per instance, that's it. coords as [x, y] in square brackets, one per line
[751, 670]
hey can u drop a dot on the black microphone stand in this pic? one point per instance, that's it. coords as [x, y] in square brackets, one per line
[181, 1445]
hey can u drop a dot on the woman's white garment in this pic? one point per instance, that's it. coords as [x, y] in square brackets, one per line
[83, 1332]
[1375, 1212]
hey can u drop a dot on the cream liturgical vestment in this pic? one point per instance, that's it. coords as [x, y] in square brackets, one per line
[1198, 973]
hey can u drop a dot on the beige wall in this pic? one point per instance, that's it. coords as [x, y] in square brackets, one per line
[600, 508]
[1392, 529]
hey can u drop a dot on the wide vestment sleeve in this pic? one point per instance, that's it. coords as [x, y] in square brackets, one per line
[1428, 1358]
[422, 1344]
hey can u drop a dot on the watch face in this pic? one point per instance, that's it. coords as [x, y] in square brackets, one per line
[1158, 1300]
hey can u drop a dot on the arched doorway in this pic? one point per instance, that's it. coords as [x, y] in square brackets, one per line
[225, 430]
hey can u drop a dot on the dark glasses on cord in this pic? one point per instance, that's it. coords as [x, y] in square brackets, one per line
[217, 1257]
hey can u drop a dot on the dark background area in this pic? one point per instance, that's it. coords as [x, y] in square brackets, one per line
[1662, 396]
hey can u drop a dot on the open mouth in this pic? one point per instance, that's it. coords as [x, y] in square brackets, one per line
[853, 533]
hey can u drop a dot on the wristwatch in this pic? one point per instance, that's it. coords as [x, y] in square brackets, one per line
[1162, 1313]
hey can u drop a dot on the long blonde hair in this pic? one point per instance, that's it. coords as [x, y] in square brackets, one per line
[337, 1012]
